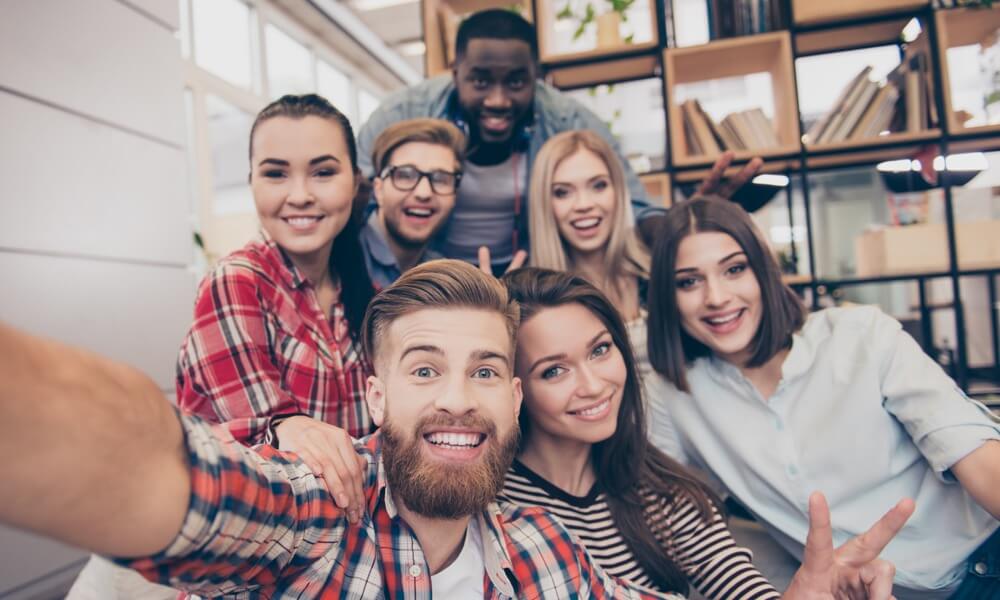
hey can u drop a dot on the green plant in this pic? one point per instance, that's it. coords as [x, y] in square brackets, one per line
[590, 14]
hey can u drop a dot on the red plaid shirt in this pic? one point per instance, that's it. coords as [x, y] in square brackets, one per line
[261, 345]
[261, 525]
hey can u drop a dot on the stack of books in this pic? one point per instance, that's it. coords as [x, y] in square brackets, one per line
[744, 130]
[731, 18]
[867, 109]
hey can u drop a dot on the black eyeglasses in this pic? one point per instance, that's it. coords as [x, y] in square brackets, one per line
[407, 177]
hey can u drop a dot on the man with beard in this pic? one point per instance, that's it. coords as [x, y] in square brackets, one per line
[418, 166]
[494, 95]
[94, 455]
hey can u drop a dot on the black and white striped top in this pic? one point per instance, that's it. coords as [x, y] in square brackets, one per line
[706, 553]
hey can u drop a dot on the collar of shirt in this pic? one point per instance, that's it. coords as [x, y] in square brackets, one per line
[290, 274]
[496, 556]
[375, 242]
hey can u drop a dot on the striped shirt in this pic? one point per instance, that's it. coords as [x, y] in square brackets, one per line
[706, 553]
[261, 345]
[261, 525]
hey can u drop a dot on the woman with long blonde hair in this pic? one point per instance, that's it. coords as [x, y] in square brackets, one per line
[581, 221]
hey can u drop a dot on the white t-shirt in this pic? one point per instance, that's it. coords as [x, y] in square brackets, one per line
[464, 577]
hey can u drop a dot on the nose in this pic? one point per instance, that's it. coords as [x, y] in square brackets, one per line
[716, 294]
[456, 397]
[497, 98]
[588, 384]
[298, 193]
[582, 201]
[423, 190]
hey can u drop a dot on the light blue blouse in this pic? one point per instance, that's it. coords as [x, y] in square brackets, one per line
[861, 414]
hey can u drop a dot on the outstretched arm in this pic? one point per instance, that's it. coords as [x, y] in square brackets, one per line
[93, 452]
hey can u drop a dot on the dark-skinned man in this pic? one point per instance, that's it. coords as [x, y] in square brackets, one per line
[494, 95]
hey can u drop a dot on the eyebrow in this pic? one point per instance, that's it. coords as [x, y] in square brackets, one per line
[491, 355]
[592, 179]
[561, 355]
[421, 348]
[723, 260]
[284, 163]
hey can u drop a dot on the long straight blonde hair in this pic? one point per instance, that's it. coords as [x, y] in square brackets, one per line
[624, 255]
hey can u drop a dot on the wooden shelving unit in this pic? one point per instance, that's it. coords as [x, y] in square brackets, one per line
[769, 53]
[658, 187]
[817, 27]
[962, 27]
[815, 12]
[549, 53]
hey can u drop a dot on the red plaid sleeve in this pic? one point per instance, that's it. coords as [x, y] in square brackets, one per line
[254, 518]
[548, 561]
[226, 369]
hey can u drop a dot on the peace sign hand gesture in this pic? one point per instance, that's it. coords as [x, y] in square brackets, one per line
[852, 571]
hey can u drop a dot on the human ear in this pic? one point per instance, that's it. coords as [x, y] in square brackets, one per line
[375, 398]
[518, 396]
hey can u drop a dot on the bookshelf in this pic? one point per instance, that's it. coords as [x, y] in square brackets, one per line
[440, 24]
[815, 28]
[768, 53]
[814, 12]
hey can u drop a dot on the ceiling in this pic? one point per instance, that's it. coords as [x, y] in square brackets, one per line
[397, 23]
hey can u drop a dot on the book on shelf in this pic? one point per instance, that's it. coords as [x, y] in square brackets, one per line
[742, 130]
[700, 129]
[732, 18]
[826, 122]
[866, 108]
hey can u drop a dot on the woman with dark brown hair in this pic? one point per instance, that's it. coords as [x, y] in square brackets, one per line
[777, 403]
[585, 457]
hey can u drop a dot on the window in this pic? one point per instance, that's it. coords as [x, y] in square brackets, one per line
[289, 65]
[228, 135]
[222, 39]
[336, 87]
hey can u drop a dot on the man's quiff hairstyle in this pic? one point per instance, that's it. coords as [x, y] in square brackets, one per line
[671, 349]
[436, 284]
[429, 131]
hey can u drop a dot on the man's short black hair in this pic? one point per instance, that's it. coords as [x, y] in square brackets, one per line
[495, 24]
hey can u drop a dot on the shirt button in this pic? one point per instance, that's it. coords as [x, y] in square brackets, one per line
[980, 568]
[792, 471]
[415, 570]
[778, 425]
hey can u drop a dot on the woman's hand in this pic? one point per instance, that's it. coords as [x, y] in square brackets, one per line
[487, 267]
[329, 453]
[852, 571]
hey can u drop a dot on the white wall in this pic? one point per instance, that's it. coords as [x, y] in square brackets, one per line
[95, 234]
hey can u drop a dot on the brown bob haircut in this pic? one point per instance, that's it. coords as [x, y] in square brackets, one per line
[429, 131]
[444, 283]
[671, 349]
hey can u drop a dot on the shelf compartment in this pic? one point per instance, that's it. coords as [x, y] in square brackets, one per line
[557, 43]
[440, 22]
[624, 69]
[770, 166]
[658, 188]
[956, 28]
[882, 33]
[816, 12]
[768, 53]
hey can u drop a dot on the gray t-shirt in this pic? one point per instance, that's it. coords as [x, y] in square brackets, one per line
[484, 212]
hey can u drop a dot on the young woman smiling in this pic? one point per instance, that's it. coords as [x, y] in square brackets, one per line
[276, 322]
[776, 403]
[585, 457]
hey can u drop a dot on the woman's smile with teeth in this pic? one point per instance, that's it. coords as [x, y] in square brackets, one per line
[593, 410]
[723, 319]
[586, 223]
[302, 221]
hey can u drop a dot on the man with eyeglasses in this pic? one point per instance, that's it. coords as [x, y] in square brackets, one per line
[417, 166]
